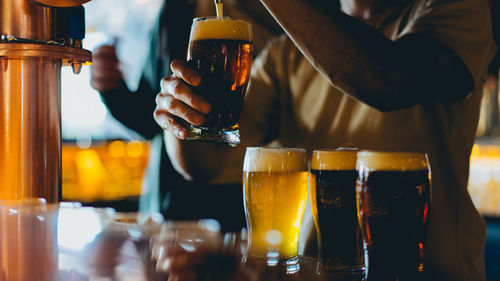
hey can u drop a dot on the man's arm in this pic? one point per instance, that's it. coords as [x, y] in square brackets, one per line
[133, 109]
[363, 63]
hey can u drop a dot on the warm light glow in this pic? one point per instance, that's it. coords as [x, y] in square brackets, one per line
[134, 149]
[484, 179]
[104, 171]
[116, 149]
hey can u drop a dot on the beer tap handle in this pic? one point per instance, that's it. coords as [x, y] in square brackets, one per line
[218, 6]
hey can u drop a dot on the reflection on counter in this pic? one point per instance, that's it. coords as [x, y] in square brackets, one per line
[28, 249]
[103, 171]
[484, 179]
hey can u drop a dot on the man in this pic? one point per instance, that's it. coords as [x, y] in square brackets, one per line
[383, 75]
[170, 39]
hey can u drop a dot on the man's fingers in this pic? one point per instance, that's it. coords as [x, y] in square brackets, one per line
[178, 108]
[182, 70]
[181, 91]
[167, 122]
[178, 100]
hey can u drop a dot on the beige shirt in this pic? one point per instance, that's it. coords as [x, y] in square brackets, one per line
[289, 102]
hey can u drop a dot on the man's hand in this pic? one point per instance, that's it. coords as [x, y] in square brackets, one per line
[105, 71]
[177, 99]
[202, 264]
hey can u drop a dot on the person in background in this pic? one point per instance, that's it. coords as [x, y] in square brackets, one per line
[170, 38]
[399, 75]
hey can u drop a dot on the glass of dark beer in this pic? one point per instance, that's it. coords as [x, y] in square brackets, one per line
[393, 194]
[221, 50]
[332, 184]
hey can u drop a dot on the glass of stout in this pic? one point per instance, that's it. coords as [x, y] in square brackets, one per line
[221, 49]
[332, 184]
[393, 194]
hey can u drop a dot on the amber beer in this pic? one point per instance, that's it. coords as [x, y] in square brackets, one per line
[221, 50]
[393, 192]
[275, 191]
[332, 185]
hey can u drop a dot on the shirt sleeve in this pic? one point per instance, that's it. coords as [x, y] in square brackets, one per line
[463, 25]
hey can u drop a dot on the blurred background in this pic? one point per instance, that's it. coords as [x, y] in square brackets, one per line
[103, 161]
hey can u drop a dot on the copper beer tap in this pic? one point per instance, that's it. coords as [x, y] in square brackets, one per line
[37, 38]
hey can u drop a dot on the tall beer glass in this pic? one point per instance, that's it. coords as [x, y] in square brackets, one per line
[393, 193]
[332, 184]
[221, 50]
[275, 190]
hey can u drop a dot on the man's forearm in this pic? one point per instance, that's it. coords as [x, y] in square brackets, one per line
[354, 56]
[194, 160]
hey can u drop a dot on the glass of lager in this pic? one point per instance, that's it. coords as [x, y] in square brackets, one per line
[275, 191]
[332, 184]
[393, 194]
[221, 50]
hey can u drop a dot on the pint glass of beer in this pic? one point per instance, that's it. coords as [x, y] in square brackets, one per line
[221, 50]
[332, 184]
[393, 193]
[275, 191]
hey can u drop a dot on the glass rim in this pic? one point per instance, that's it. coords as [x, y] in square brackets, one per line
[256, 148]
[402, 153]
[334, 159]
[392, 160]
[205, 28]
[196, 19]
[25, 202]
[264, 159]
[337, 150]
[31, 205]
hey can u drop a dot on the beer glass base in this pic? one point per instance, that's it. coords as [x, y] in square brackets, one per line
[354, 274]
[329, 269]
[231, 137]
[343, 276]
[291, 265]
[274, 262]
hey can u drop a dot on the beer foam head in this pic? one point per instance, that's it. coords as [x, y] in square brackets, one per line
[258, 159]
[338, 159]
[392, 161]
[220, 28]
